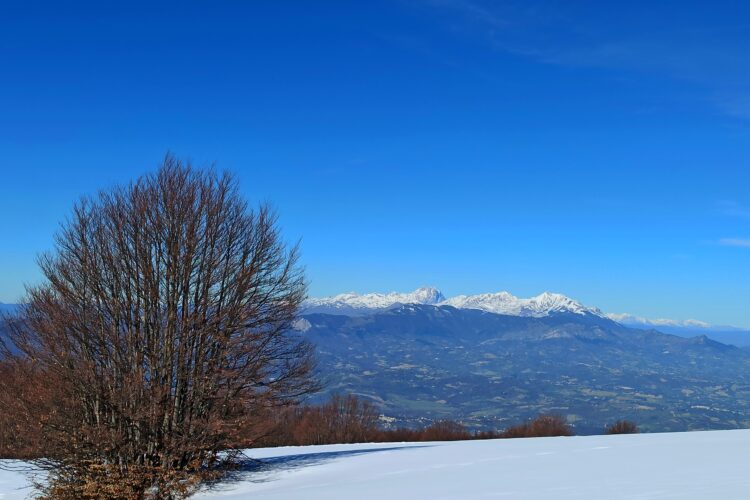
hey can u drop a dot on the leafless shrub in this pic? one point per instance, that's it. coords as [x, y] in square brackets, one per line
[622, 427]
[489, 434]
[161, 335]
[542, 426]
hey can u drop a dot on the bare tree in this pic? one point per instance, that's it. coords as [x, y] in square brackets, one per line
[164, 327]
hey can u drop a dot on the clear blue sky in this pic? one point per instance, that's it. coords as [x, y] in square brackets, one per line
[596, 149]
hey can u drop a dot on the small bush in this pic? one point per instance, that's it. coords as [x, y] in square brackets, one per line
[445, 430]
[542, 426]
[492, 434]
[622, 427]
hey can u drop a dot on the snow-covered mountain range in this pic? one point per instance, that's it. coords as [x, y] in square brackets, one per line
[542, 305]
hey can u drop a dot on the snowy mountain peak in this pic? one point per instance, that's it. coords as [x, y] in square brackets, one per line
[543, 304]
[426, 295]
[354, 303]
[549, 302]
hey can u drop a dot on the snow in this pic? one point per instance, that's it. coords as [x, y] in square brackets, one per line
[504, 303]
[694, 465]
[13, 485]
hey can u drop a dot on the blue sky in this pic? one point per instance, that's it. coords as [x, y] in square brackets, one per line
[597, 149]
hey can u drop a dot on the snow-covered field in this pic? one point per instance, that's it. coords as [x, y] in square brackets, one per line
[697, 465]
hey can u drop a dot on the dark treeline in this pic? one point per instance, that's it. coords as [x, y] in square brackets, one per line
[622, 427]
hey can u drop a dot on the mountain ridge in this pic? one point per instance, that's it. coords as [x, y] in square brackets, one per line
[502, 302]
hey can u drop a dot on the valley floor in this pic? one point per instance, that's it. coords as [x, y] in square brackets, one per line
[696, 465]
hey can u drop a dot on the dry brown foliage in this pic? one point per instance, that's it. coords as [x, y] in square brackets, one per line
[622, 427]
[542, 426]
[20, 434]
[343, 419]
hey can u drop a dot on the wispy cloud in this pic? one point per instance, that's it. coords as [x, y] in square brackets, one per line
[734, 209]
[735, 242]
[735, 104]
[711, 56]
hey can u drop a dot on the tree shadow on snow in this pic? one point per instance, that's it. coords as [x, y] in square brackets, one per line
[267, 469]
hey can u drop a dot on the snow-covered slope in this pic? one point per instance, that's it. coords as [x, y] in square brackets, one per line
[13, 484]
[500, 303]
[697, 465]
[693, 465]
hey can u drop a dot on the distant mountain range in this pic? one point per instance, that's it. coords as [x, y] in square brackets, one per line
[493, 359]
[353, 304]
